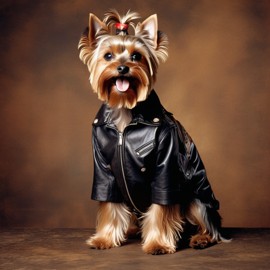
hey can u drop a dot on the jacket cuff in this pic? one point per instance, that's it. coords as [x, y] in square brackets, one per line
[165, 197]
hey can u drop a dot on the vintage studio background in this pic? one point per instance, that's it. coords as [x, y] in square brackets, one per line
[216, 82]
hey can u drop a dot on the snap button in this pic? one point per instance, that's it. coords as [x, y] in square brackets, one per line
[143, 169]
[188, 174]
[96, 121]
[156, 120]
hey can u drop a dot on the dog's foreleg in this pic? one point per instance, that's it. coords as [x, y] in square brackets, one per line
[161, 227]
[112, 225]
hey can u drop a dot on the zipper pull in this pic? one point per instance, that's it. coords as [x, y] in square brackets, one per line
[120, 142]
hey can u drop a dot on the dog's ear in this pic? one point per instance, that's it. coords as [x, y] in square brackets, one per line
[158, 38]
[151, 26]
[87, 41]
[95, 24]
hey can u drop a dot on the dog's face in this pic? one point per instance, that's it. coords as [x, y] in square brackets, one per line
[121, 74]
[122, 67]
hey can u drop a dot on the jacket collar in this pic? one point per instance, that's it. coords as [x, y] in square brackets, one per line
[149, 112]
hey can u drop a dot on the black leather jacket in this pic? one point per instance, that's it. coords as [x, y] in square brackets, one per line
[153, 161]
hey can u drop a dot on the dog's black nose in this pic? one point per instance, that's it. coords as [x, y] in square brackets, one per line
[123, 69]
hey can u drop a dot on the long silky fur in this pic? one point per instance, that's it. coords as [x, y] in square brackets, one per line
[112, 16]
[121, 118]
[91, 47]
[161, 227]
[207, 220]
[113, 221]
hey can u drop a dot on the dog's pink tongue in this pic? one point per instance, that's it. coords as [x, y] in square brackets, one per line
[122, 85]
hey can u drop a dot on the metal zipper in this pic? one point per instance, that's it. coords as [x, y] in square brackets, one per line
[144, 148]
[120, 143]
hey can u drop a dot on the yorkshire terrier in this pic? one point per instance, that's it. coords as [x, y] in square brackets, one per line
[148, 175]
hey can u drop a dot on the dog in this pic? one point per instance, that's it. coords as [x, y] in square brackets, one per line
[148, 175]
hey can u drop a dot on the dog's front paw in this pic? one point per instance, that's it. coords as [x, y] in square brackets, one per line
[158, 249]
[99, 242]
[200, 241]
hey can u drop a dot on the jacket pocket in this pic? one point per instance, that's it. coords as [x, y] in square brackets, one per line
[145, 149]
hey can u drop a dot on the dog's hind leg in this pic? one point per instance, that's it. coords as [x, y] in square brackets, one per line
[208, 222]
[112, 225]
[161, 227]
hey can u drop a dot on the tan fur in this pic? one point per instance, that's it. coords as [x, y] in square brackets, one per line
[121, 118]
[147, 41]
[161, 227]
[104, 52]
[112, 224]
[207, 234]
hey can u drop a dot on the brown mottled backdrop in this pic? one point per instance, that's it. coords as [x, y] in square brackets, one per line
[216, 82]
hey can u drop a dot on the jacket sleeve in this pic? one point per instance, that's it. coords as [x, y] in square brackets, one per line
[180, 175]
[196, 181]
[104, 187]
[165, 183]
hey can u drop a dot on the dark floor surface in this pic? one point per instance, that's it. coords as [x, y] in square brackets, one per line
[66, 249]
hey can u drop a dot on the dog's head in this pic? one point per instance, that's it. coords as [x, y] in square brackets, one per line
[122, 66]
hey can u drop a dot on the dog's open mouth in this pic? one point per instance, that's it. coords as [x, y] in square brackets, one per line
[123, 84]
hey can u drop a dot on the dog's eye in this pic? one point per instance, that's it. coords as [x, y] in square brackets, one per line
[108, 56]
[136, 56]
